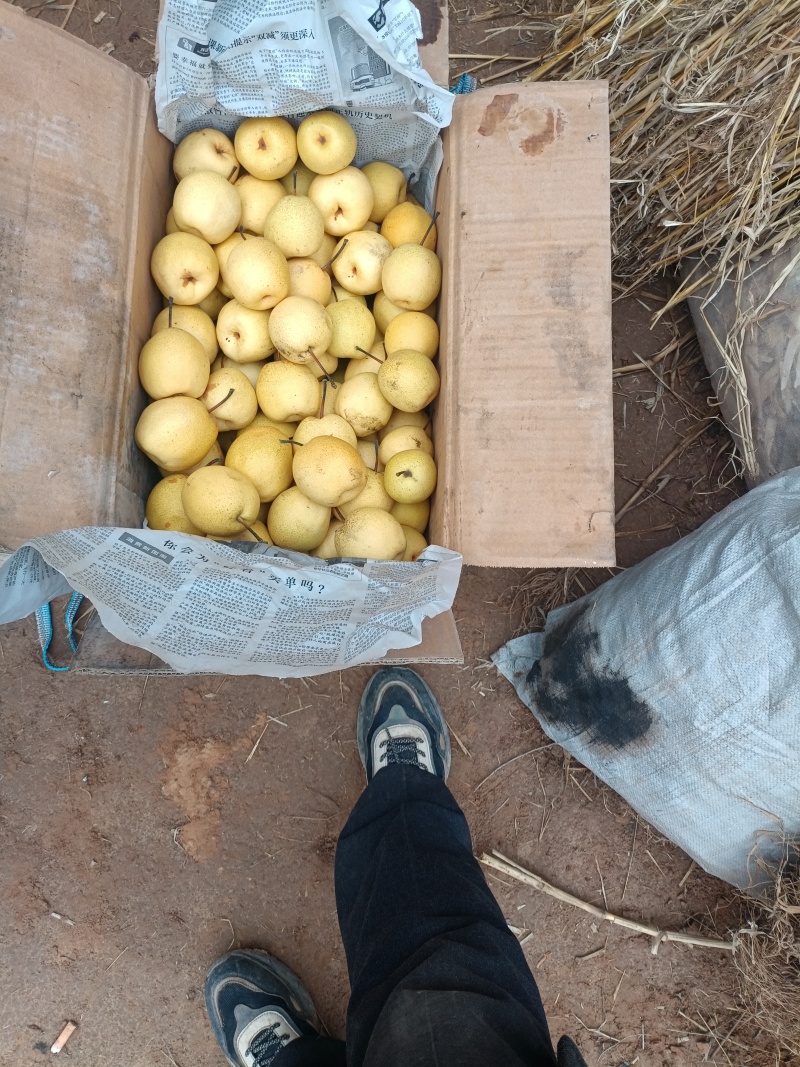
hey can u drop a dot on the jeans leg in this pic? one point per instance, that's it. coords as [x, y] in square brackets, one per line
[436, 975]
[312, 1052]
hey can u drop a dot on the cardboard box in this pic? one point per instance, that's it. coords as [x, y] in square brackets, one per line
[523, 430]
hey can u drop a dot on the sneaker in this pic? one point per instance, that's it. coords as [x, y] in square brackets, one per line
[400, 722]
[256, 1006]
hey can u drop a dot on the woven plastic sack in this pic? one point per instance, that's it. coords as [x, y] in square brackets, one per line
[678, 683]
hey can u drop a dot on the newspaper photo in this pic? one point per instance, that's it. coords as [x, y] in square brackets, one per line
[219, 62]
[209, 607]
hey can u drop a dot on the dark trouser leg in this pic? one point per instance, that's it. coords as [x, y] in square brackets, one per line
[436, 975]
[312, 1052]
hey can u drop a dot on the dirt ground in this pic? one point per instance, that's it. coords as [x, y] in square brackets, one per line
[145, 831]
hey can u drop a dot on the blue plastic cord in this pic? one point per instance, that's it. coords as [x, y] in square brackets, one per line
[44, 628]
[73, 608]
[467, 83]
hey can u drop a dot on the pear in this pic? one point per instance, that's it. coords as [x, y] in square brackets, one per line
[412, 329]
[373, 495]
[214, 455]
[327, 426]
[415, 544]
[410, 476]
[173, 363]
[326, 142]
[164, 509]
[353, 327]
[184, 267]
[266, 147]
[406, 418]
[295, 225]
[262, 456]
[322, 257]
[175, 432]
[230, 399]
[213, 303]
[368, 450]
[407, 224]
[220, 500]
[244, 334]
[362, 403]
[414, 515]
[300, 328]
[339, 293]
[307, 278]
[222, 251]
[295, 522]
[371, 533]
[257, 274]
[408, 380]
[402, 439]
[251, 371]
[298, 179]
[207, 205]
[288, 392]
[388, 187]
[255, 531]
[329, 471]
[205, 150]
[412, 277]
[287, 428]
[257, 198]
[344, 199]
[358, 261]
[327, 550]
[384, 311]
[170, 225]
[194, 321]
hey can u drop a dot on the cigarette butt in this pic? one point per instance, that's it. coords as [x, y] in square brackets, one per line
[63, 1037]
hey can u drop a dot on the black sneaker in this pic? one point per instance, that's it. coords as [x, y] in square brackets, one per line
[400, 722]
[257, 1006]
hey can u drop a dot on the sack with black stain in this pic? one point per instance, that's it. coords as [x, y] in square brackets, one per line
[678, 683]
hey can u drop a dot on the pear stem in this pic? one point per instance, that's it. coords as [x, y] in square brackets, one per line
[219, 405]
[214, 462]
[365, 353]
[375, 468]
[337, 254]
[338, 514]
[294, 182]
[169, 314]
[250, 529]
[327, 376]
[322, 402]
[240, 231]
[289, 441]
[436, 215]
[234, 168]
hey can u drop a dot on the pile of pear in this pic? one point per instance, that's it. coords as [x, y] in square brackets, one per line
[291, 372]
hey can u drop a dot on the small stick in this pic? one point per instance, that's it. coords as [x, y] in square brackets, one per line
[436, 215]
[68, 14]
[685, 878]
[219, 405]
[63, 1037]
[508, 763]
[169, 313]
[336, 255]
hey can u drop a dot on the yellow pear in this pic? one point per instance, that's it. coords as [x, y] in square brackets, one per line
[257, 198]
[415, 544]
[307, 278]
[412, 277]
[194, 321]
[408, 380]
[222, 251]
[410, 476]
[402, 439]
[338, 294]
[373, 495]
[344, 199]
[384, 311]
[322, 257]
[260, 454]
[230, 399]
[175, 432]
[300, 328]
[371, 533]
[243, 334]
[251, 371]
[327, 426]
[326, 142]
[214, 455]
[288, 392]
[170, 225]
[297, 523]
[298, 179]
[414, 515]
[205, 150]
[266, 147]
[173, 363]
[213, 303]
[295, 225]
[388, 187]
[207, 205]
[360, 260]
[164, 508]
[413, 329]
[257, 274]
[219, 500]
[327, 550]
[329, 471]
[362, 403]
[406, 418]
[255, 531]
[287, 428]
[406, 224]
[184, 267]
[368, 450]
[353, 327]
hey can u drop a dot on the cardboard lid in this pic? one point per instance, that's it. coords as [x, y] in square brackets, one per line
[75, 127]
[525, 439]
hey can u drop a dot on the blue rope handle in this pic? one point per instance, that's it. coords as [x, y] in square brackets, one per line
[44, 629]
[73, 608]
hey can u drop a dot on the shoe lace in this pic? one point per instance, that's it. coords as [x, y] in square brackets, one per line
[402, 750]
[266, 1045]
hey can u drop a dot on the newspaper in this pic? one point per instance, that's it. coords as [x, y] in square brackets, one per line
[207, 606]
[221, 61]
